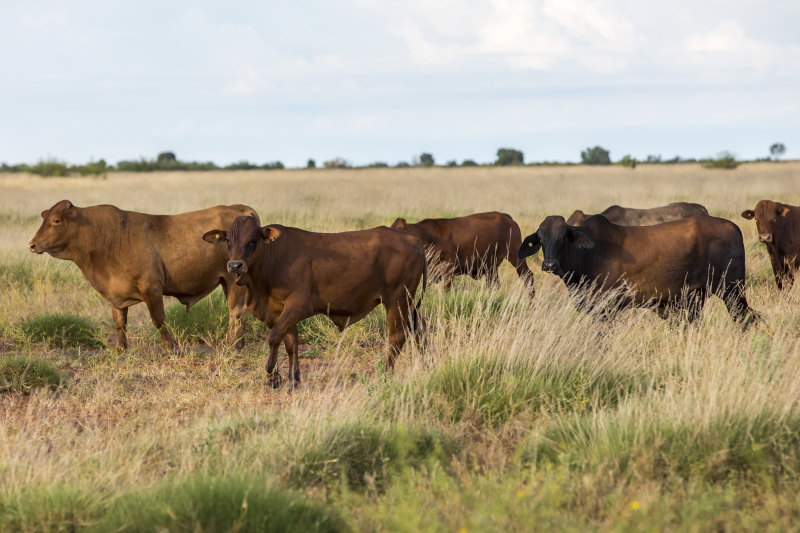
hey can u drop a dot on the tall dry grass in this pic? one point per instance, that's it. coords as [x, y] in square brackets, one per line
[517, 415]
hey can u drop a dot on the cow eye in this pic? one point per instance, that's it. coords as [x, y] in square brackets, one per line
[56, 222]
[254, 241]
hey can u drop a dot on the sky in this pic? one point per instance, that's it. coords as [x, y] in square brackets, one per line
[370, 80]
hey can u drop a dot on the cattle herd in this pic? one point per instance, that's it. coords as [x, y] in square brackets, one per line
[666, 258]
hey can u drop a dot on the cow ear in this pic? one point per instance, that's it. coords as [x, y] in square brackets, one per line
[71, 213]
[44, 213]
[748, 214]
[215, 236]
[530, 246]
[580, 237]
[400, 223]
[783, 210]
[270, 233]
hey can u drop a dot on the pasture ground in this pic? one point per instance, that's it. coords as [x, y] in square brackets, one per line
[516, 417]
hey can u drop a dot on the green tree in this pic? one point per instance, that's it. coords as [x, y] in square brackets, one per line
[311, 164]
[426, 160]
[167, 157]
[628, 161]
[595, 156]
[509, 156]
[777, 150]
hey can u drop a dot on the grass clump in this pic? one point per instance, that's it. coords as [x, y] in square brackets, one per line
[732, 445]
[63, 330]
[212, 503]
[206, 321]
[24, 374]
[363, 453]
[490, 389]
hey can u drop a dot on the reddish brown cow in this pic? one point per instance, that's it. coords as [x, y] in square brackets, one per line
[663, 266]
[630, 216]
[472, 245]
[291, 274]
[131, 257]
[779, 229]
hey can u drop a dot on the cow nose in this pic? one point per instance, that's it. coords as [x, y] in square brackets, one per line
[548, 265]
[234, 266]
[32, 247]
[765, 237]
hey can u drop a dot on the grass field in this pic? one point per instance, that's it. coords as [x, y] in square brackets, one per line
[516, 417]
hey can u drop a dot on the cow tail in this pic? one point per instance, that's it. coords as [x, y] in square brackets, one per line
[415, 313]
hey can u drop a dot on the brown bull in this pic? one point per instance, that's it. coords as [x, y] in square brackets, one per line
[291, 274]
[472, 245]
[779, 229]
[665, 266]
[131, 257]
[629, 216]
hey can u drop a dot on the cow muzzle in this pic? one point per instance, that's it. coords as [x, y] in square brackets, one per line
[237, 267]
[765, 237]
[33, 248]
[548, 265]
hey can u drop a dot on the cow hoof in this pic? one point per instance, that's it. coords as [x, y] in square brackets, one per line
[275, 380]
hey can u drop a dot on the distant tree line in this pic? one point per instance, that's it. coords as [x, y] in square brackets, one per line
[167, 161]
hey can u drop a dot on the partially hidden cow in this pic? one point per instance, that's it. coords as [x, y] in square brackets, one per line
[629, 216]
[291, 274]
[666, 266]
[472, 245]
[131, 257]
[779, 229]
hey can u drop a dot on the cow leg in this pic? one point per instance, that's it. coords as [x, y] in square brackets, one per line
[155, 304]
[397, 326]
[738, 307]
[778, 267]
[694, 304]
[492, 278]
[120, 315]
[285, 324]
[290, 343]
[525, 274]
[237, 318]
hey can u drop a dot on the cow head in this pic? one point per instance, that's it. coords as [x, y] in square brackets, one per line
[57, 229]
[244, 240]
[555, 237]
[768, 215]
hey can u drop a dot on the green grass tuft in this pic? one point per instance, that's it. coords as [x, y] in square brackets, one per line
[206, 321]
[63, 330]
[19, 373]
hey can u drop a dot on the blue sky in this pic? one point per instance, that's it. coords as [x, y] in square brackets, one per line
[370, 80]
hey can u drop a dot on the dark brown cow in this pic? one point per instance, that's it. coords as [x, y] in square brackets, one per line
[666, 265]
[291, 274]
[779, 228]
[629, 216]
[473, 245]
[131, 257]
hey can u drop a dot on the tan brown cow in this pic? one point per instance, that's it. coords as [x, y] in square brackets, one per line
[663, 266]
[131, 257]
[629, 216]
[472, 245]
[779, 229]
[292, 274]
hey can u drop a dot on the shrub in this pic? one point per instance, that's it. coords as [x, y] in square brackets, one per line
[336, 162]
[469, 163]
[63, 330]
[241, 165]
[595, 156]
[49, 168]
[311, 164]
[452, 163]
[378, 164]
[509, 156]
[403, 164]
[725, 160]
[23, 374]
[92, 168]
[628, 161]
[274, 165]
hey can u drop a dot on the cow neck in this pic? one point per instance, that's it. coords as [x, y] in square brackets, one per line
[97, 241]
[267, 267]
